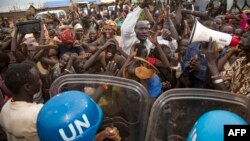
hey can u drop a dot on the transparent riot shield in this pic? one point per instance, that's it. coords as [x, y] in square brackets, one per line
[124, 102]
[175, 112]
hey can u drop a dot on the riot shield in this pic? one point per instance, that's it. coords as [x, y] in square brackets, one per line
[175, 112]
[124, 102]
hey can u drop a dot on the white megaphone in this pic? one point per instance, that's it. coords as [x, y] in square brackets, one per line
[200, 33]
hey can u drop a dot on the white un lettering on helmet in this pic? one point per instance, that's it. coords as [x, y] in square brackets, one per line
[79, 126]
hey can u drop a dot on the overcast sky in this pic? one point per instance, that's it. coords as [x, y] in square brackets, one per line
[7, 5]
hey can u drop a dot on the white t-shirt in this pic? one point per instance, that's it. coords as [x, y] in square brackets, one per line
[173, 45]
[18, 120]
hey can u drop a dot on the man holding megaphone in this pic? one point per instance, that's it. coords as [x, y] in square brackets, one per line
[236, 78]
[194, 62]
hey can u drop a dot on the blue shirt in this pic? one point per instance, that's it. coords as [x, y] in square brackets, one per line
[154, 86]
[197, 78]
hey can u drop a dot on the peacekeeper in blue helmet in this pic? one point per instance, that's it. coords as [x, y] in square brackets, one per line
[74, 117]
[210, 126]
[69, 116]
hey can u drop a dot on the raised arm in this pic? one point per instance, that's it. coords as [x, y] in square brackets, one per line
[214, 71]
[128, 28]
[129, 23]
[170, 25]
[164, 59]
[42, 35]
[149, 16]
[39, 55]
[14, 43]
[131, 57]
[94, 57]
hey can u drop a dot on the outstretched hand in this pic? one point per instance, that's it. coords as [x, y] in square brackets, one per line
[211, 53]
[108, 133]
[112, 133]
[111, 69]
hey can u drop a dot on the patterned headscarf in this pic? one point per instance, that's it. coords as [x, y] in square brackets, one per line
[67, 37]
[111, 23]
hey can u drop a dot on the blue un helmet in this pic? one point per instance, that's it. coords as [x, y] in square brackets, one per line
[69, 116]
[210, 126]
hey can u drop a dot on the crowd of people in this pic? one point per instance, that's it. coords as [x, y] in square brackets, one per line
[145, 44]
